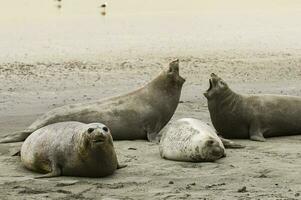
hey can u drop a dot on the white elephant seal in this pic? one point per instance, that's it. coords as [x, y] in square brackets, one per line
[252, 116]
[137, 115]
[70, 149]
[189, 139]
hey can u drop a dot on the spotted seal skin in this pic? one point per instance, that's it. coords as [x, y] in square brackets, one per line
[70, 149]
[251, 116]
[189, 139]
[137, 115]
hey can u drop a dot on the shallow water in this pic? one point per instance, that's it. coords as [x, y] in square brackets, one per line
[41, 29]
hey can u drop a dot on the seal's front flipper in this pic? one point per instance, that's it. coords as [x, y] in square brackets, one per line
[258, 138]
[256, 134]
[54, 173]
[16, 137]
[119, 166]
[18, 153]
[229, 144]
[152, 137]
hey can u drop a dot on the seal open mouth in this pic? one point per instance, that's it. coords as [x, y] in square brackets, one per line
[99, 140]
[210, 85]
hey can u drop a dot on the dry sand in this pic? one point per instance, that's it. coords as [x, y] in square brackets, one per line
[269, 170]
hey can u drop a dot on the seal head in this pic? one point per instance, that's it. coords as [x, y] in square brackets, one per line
[97, 134]
[169, 78]
[94, 137]
[206, 148]
[174, 75]
[217, 87]
[212, 150]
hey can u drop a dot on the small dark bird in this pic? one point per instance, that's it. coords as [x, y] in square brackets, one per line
[103, 6]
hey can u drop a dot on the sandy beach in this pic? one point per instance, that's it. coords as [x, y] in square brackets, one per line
[58, 58]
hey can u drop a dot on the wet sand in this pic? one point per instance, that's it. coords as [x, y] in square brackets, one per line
[269, 170]
[37, 31]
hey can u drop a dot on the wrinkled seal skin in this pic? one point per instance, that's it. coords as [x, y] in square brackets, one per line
[189, 139]
[252, 116]
[138, 115]
[70, 149]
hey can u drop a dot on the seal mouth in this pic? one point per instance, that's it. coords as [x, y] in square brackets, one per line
[218, 152]
[99, 140]
[181, 79]
[210, 85]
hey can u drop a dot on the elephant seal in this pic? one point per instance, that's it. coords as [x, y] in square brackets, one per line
[137, 115]
[189, 139]
[70, 149]
[251, 116]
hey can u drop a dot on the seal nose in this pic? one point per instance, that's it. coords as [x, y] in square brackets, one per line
[217, 151]
[213, 75]
[99, 134]
[176, 61]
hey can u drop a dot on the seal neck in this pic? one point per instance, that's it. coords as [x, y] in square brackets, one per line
[228, 96]
[168, 85]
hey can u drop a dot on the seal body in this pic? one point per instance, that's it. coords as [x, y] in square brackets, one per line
[252, 116]
[70, 149]
[189, 139]
[137, 115]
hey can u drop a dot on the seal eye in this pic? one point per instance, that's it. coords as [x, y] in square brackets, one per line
[105, 129]
[222, 83]
[90, 130]
[210, 142]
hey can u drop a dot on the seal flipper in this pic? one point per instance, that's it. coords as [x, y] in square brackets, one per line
[56, 171]
[152, 137]
[257, 137]
[18, 153]
[16, 136]
[119, 166]
[229, 144]
[256, 134]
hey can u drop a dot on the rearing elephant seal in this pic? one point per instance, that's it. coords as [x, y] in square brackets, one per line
[137, 115]
[70, 149]
[189, 139]
[252, 116]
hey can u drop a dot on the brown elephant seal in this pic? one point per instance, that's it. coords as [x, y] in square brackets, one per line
[189, 139]
[137, 115]
[70, 149]
[252, 116]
